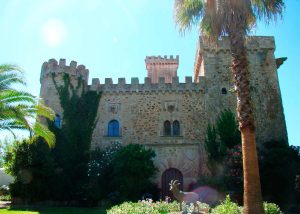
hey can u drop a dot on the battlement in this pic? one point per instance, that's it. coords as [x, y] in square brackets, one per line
[52, 66]
[148, 86]
[162, 60]
[253, 43]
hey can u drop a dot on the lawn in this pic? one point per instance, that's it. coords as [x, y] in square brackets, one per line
[52, 210]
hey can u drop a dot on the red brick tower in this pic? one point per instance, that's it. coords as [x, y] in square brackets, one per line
[162, 67]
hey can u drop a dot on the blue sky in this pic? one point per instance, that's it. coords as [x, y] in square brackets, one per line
[112, 38]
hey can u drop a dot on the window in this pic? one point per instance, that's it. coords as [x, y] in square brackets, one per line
[176, 128]
[224, 91]
[57, 121]
[172, 129]
[167, 128]
[113, 128]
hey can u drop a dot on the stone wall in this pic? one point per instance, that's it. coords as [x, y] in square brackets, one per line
[142, 109]
[214, 63]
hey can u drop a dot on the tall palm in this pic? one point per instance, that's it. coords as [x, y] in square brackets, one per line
[234, 18]
[19, 109]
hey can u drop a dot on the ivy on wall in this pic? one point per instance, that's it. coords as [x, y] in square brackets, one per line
[73, 140]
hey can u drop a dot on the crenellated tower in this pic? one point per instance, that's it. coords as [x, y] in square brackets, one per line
[214, 63]
[53, 71]
[162, 67]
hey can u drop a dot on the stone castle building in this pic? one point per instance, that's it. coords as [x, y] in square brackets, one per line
[172, 117]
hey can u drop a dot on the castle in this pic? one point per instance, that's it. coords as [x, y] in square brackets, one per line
[172, 117]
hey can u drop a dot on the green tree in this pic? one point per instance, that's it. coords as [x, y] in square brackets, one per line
[234, 18]
[19, 109]
[279, 166]
[133, 168]
[212, 144]
[32, 166]
[227, 129]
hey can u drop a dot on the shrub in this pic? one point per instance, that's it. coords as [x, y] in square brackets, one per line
[279, 166]
[33, 169]
[227, 207]
[271, 208]
[145, 206]
[133, 169]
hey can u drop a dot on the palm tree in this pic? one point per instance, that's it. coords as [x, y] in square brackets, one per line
[234, 18]
[19, 109]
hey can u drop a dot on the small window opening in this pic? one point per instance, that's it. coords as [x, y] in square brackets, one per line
[57, 121]
[224, 91]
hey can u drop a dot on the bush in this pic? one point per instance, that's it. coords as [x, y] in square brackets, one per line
[133, 169]
[279, 166]
[227, 207]
[143, 207]
[150, 207]
[33, 169]
[271, 208]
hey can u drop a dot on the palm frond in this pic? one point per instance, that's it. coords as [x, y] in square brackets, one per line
[13, 96]
[9, 67]
[188, 12]
[19, 109]
[42, 131]
[7, 79]
[44, 111]
[268, 9]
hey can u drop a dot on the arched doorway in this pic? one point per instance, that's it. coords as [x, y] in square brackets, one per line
[167, 176]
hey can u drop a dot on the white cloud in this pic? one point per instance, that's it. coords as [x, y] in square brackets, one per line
[54, 32]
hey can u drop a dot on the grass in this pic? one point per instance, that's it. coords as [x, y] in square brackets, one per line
[52, 210]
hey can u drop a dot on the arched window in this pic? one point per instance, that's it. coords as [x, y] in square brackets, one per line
[167, 128]
[176, 128]
[57, 121]
[113, 128]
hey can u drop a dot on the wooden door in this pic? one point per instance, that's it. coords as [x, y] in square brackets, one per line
[167, 176]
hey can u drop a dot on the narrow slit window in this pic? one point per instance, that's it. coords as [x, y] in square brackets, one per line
[57, 121]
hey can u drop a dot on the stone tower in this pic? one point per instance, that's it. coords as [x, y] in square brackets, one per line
[213, 63]
[162, 67]
[53, 69]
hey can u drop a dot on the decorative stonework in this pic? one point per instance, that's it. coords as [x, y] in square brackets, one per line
[114, 107]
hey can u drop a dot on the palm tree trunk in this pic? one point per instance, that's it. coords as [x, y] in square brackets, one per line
[252, 189]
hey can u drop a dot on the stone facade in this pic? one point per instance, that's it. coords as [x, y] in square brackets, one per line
[141, 110]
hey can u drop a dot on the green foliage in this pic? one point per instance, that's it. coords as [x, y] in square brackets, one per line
[143, 207]
[100, 173]
[225, 135]
[133, 169]
[271, 208]
[19, 109]
[223, 146]
[74, 138]
[214, 148]
[227, 207]
[227, 129]
[279, 166]
[33, 169]
[234, 170]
